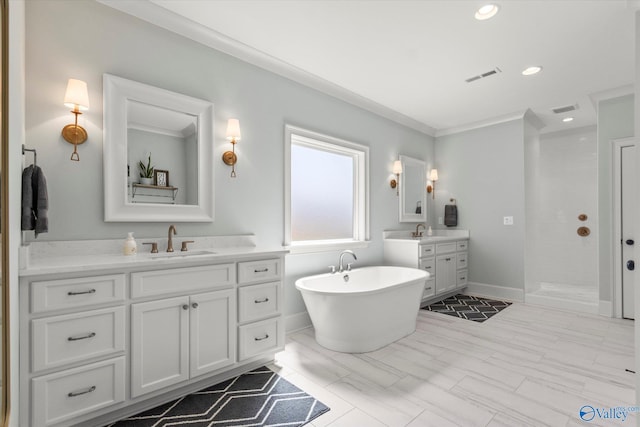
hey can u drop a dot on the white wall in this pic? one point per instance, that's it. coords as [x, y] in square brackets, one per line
[86, 39]
[615, 121]
[16, 137]
[483, 169]
[565, 187]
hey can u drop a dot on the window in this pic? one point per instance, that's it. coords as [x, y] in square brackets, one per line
[326, 192]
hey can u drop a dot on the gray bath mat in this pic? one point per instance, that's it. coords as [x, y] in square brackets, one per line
[258, 398]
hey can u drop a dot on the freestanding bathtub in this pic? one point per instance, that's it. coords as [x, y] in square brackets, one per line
[363, 309]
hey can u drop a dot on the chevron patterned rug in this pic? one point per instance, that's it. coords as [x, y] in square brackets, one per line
[258, 398]
[468, 307]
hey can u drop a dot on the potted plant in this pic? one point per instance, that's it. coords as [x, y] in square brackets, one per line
[146, 172]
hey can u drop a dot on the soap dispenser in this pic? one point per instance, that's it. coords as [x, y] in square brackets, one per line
[429, 231]
[130, 247]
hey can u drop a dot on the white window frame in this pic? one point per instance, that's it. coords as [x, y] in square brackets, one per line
[361, 218]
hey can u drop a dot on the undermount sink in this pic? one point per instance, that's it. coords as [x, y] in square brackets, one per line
[181, 254]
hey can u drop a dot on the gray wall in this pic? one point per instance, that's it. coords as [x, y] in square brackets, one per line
[84, 39]
[483, 169]
[615, 121]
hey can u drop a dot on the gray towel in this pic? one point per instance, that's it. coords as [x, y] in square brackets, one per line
[35, 200]
[450, 215]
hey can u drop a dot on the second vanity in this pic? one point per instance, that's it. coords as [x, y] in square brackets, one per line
[104, 336]
[444, 255]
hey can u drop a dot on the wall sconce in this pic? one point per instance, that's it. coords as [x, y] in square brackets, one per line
[397, 170]
[75, 97]
[233, 135]
[433, 176]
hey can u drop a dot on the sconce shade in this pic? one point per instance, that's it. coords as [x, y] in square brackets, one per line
[397, 167]
[76, 96]
[433, 176]
[233, 130]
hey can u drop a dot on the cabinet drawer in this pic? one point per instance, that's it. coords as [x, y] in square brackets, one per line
[258, 301]
[260, 337]
[76, 293]
[445, 248]
[463, 245]
[462, 278]
[429, 289]
[258, 271]
[461, 260]
[160, 282]
[75, 337]
[71, 393]
[428, 264]
[427, 250]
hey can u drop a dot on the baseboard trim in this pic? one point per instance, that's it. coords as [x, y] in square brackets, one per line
[296, 322]
[493, 291]
[605, 308]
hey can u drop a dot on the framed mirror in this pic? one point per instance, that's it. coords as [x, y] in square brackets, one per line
[413, 192]
[158, 147]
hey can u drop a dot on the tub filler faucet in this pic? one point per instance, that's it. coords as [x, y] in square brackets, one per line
[340, 263]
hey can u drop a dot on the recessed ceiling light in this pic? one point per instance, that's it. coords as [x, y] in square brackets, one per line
[531, 70]
[567, 119]
[487, 11]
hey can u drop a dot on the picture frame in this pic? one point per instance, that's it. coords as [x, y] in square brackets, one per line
[161, 178]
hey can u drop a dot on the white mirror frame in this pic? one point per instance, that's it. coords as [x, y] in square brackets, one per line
[117, 91]
[408, 216]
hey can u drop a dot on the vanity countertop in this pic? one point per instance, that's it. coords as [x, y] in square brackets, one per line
[437, 237]
[84, 256]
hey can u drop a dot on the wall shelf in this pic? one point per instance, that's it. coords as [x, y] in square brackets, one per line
[163, 191]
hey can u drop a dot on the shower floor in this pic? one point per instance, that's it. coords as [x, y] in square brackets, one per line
[565, 296]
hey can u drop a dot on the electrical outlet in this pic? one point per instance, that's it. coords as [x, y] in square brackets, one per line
[508, 220]
[440, 220]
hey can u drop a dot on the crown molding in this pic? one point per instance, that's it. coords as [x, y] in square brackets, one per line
[483, 123]
[161, 17]
[617, 92]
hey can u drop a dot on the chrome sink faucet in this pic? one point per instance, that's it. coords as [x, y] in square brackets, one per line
[340, 264]
[172, 228]
[417, 233]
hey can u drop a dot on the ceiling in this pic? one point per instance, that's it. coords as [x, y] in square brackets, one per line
[411, 58]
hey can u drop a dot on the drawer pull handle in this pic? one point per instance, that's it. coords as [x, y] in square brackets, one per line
[264, 270]
[80, 393]
[90, 291]
[427, 289]
[260, 301]
[463, 278]
[194, 305]
[185, 306]
[263, 338]
[447, 259]
[84, 337]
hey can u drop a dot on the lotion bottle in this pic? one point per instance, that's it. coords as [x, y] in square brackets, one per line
[429, 231]
[130, 247]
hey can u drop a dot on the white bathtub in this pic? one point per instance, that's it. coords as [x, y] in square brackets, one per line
[375, 307]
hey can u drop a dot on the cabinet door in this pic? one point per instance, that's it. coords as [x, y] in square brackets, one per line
[213, 331]
[445, 273]
[159, 344]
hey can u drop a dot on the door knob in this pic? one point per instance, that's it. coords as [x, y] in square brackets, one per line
[631, 265]
[629, 242]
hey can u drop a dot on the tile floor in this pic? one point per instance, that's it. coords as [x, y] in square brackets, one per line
[526, 366]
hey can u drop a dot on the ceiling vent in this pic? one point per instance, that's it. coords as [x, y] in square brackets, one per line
[484, 75]
[565, 109]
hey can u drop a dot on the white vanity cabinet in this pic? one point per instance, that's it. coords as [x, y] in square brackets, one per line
[443, 257]
[74, 349]
[98, 344]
